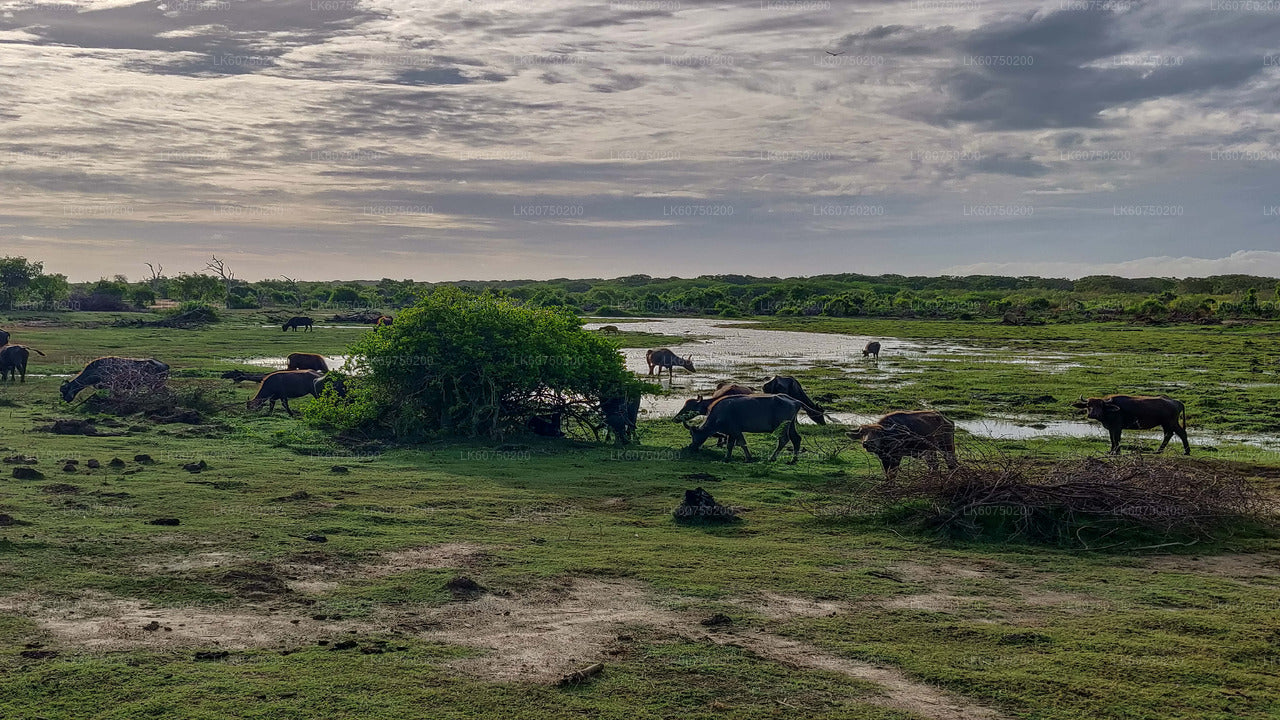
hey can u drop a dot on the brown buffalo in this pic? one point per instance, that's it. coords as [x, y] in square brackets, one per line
[384, 321]
[872, 349]
[297, 322]
[664, 359]
[732, 416]
[1138, 412]
[923, 433]
[13, 361]
[307, 361]
[284, 385]
[786, 385]
[115, 370]
[610, 329]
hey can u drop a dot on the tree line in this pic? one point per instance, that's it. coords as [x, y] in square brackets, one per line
[24, 284]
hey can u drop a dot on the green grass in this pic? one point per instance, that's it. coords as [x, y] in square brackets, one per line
[1038, 632]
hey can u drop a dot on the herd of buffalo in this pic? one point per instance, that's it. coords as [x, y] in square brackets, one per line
[730, 412]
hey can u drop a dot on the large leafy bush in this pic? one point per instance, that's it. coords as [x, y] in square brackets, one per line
[472, 365]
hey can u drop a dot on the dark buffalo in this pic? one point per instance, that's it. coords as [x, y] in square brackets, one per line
[1138, 412]
[621, 414]
[898, 435]
[307, 361]
[738, 414]
[4, 338]
[284, 385]
[239, 376]
[872, 349]
[296, 322]
[664, 359]
[111, 370]
[786, 385]
[546, 425]
[13, 361]
[700, 405]
[384, 321]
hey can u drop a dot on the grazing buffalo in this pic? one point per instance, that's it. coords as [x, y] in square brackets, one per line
[872, 349]
[284, 385]
[4, 338]
[786, 385]
[546, 425]
[1138, 412]
[735, 415]
[13, 361]
[307, 361]
[922, 433]
[610, 329]
[620, 416]
[111, 370]
[384, 321]
[239, 376]
[701, 405]
[664, 359]
[296, 322]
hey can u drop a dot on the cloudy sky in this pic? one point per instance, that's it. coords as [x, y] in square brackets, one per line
[555, 138]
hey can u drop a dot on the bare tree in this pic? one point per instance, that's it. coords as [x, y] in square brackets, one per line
[220, 268]
[155, 276]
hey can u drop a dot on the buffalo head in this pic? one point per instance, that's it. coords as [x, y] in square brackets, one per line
[1096, 407]
[690, 409]
[68, 391]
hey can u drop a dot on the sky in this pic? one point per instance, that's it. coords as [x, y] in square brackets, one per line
[513, 139]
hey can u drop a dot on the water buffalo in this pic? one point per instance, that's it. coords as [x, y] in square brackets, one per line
[297, 322]
[664, 359]
[4, 338]
[546, 425]
[283, 385]
[700, 405]
[620, 416]
[384, 321]
[898, 435]
[307, 361]
[738, 414]
[1138, 412]
[13, 361]
[110, 370]
[786, 385]
[872, 349]
[610, 329]
[239, 376]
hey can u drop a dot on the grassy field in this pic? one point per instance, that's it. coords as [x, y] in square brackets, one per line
[303, 581]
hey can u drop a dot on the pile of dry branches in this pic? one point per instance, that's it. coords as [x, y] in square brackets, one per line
[1074, 498]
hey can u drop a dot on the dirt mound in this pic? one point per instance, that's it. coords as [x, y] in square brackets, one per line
[27, 473]
[70, 427]
[700, 506]
[254, 581]
[464, 588]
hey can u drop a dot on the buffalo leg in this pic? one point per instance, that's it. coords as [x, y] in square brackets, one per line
[1115, 441]
[1168, 433]
[285, 402]
[272, 407]
[890, 467]
[728, 448]
[1182, 434]
[741, 440]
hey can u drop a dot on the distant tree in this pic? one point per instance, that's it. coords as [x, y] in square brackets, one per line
[223, 272]
[16, 276]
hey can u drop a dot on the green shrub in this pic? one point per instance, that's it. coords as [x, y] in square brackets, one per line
[470, 365]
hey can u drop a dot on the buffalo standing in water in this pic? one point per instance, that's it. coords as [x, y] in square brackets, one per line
[664, 359]
[872, 349]
[108, 370]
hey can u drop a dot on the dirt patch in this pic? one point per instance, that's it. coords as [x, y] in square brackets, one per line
[776, 606]
[449, 556]
[254, 581]
[106, 624]
[1252, 569]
